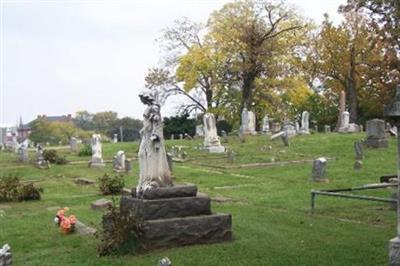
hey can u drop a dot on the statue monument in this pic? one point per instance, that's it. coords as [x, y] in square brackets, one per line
[171, 214]
[153, 164]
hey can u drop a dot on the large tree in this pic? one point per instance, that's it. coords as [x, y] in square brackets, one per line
[258, 37]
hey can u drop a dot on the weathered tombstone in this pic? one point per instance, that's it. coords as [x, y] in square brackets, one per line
[119, 161]
[165, 262]
[73, 144]
[319, 170]
[231, 156]
[248, 124]
[290, 129]
[181, 136]
[376, 137]
[276, 127]
[115, 139]
[41, 163]
[357, 165]
[305, 116]
[128, 165]
[170, 214]
[211, 140]
[169, 159]
[172, 136]
[199, 131]
[23, 155]
[97, 160]
[285, 138]
[100, 204]
[265, 125]
[346, 126]
[297, 126]
[5, 256]
[393, 131]
[327, 129]
[344, 122]
[358, 149]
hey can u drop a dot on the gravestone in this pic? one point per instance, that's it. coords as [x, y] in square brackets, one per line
[23, 155]
[248, 124]
[211, 140]
[73, 144]
[285, 138]
[97, 160]
[187, 136]
[119, 161]
[276, 127]
[319, 170]
[100, 204]
[327, 129]
[115, 139]
[181, 136]
[358, 149]
[199, 131]
[128, 165]
[172, 136]
[41, 163]
[376, 137]
[5, 256]
[346, 126]
[265, 125]
[305, 116]
[165, 262]
[290, 129]
[357, 165]
[231, 156]
[169, 159]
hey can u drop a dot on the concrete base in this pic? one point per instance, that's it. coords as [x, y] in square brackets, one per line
[96, 165]
[204, 229]
[165, 208]
[376, 143]
[394, 252]
[215, 149]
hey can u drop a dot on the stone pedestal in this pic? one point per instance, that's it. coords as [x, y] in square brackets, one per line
[376, 135]
[394, 252]
[176, 216]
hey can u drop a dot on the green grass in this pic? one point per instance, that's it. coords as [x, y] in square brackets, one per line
[270, 206]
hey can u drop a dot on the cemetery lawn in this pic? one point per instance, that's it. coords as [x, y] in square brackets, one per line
[270, 205]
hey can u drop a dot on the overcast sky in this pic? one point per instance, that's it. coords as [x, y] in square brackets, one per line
[61, 56]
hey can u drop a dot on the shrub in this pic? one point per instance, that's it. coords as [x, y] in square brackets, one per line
[120, 234]
[53, 157]
[11, 189]
[111, 184]
[86, 150]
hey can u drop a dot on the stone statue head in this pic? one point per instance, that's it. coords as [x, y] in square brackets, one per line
[147, 97]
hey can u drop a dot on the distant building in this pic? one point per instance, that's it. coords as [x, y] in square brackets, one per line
[23, 131]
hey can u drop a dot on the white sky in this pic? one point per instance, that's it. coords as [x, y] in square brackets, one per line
[61, 56]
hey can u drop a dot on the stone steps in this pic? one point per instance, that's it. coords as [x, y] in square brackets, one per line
[176, 216]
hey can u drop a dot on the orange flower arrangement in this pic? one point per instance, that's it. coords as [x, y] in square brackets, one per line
[67, 224]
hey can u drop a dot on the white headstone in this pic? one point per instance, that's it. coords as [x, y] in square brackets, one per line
[97, 160]
[211, 139]
[305, 129]
[119, 161]
[265, 125]
[248, 122]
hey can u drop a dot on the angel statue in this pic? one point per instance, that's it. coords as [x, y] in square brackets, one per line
[153, 164]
